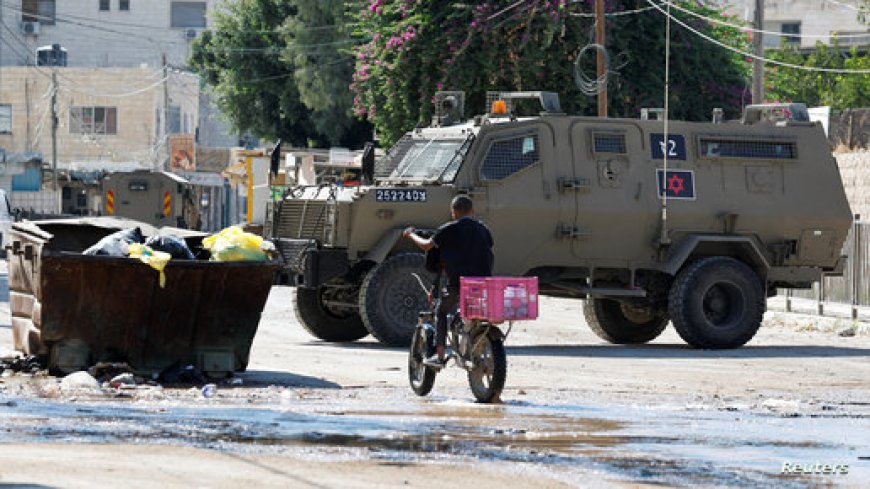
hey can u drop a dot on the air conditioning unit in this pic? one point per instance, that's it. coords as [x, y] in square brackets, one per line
[190, 34]
[30, 28]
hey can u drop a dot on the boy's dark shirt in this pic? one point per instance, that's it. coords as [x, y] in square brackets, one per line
[466, 249]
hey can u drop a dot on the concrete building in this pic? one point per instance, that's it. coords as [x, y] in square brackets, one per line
[804, 22]
[137, 34]
[108, 118]
[103, 33]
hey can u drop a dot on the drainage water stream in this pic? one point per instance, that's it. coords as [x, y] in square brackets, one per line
[677, 445]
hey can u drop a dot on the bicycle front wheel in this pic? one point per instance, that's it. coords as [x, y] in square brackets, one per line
[422, 378]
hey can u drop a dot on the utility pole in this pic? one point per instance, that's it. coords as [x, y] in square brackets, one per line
[166, 112]
[758, 51]
[602, 66]
[54, 127]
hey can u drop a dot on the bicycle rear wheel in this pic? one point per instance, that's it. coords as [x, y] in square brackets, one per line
[489, 369]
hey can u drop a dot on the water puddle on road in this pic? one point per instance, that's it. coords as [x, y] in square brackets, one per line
[654, 445]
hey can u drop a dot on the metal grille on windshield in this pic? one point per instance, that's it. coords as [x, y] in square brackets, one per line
[423, 159]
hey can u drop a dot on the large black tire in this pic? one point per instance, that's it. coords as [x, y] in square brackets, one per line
[489, 371]
[421, 377]
[391, 299]
[325, 323]
[717, 302]
[621, 323]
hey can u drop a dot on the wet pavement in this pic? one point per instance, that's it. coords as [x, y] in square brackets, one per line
[662, 415]
[663, 445]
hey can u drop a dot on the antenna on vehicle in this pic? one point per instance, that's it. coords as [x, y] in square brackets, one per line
[664, 239]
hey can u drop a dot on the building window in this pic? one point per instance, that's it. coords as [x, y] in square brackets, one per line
[123, 4]
[93, 120]
[174, 119]
[5, 119]
[41, 11]
[104, 5]
[793, 33]
[509, 156]
[188, 14]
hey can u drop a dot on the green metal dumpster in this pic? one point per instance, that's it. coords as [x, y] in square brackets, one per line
[78, 310]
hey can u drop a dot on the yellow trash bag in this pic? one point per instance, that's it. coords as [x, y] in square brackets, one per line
[233, 244]
[155, 259]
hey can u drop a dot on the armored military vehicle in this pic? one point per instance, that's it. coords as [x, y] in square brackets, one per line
[693, 223]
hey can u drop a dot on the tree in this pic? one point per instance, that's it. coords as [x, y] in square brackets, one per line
[413, 49]
[815, 87]
[278, 72]
[319, 46]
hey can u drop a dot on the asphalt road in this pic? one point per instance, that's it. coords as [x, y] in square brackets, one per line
[577, 412]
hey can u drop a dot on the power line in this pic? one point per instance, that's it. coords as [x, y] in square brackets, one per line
[118, 95]
[753, 56]
[58, 18]
[845, 5]
[760, 31]
[612, 14]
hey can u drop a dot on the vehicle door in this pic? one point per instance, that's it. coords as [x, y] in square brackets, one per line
[614, 201]
[516, 173]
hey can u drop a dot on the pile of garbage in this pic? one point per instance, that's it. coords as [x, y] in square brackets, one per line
[26, 364]
[229, 245]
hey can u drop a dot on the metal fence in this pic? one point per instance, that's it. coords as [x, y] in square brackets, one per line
[853, 287]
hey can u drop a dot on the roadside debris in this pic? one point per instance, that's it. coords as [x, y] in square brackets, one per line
[26, 364]
[848, 332]
[78, 381]
[108, 370]
[123, 380]
[209, 390]
[182, 374]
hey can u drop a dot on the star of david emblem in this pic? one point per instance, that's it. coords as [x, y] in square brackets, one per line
[675, 184]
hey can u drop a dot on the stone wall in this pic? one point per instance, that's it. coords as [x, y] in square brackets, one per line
[855, 170]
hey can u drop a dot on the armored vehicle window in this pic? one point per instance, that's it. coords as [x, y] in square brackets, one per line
[737, 148]
[138, 185]
[608, 143]
[509, 156]
[422, 159]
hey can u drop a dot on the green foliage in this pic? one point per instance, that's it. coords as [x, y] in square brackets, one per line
[414, 48]
[319, 50]
[814, 88]
[278, 71]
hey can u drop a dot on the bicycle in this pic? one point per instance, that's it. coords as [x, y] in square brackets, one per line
[475, 344]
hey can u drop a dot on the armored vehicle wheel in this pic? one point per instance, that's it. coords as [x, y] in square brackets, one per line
[391, 298]
[717, 302]
[622, 323]
[325, 322]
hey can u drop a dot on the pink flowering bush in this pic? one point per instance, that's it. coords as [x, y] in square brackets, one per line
[411, 48]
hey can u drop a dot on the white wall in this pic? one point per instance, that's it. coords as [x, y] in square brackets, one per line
[95, 38]
[817, 17]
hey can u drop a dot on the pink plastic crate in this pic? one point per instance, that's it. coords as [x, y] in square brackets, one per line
[498, 298]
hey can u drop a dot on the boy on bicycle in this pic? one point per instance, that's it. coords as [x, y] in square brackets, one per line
[465, 246]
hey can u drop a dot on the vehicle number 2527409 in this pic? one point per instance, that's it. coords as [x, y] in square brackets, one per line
[400, 195]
